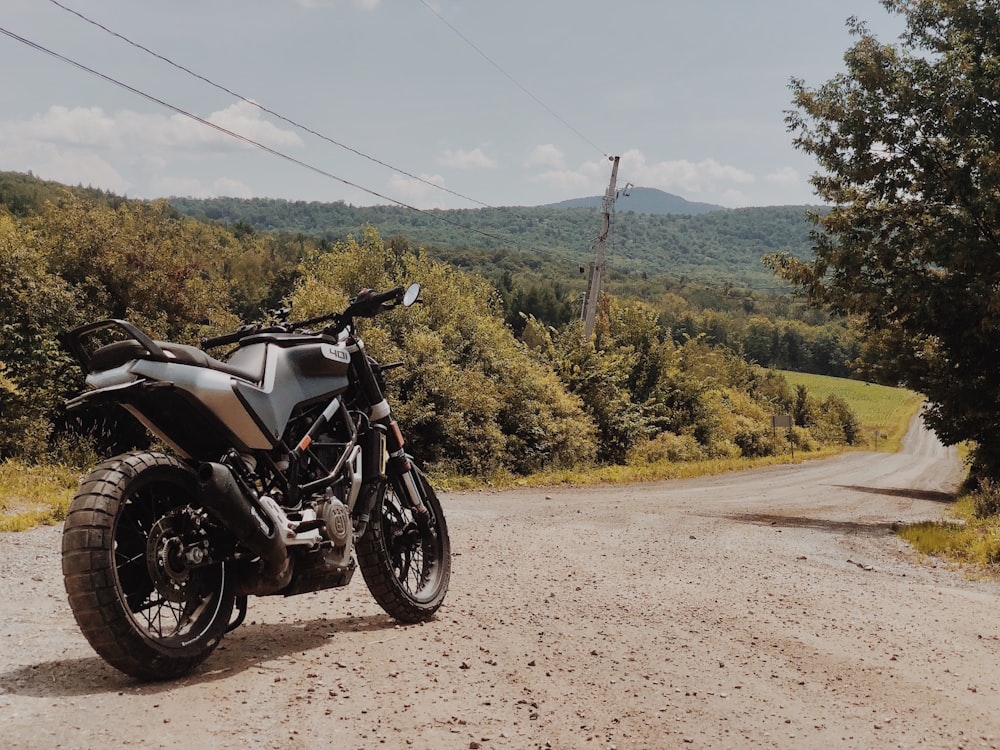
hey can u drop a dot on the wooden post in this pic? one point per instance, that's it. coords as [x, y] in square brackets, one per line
[595, 281]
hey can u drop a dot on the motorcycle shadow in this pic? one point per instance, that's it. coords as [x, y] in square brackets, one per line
[251, 646]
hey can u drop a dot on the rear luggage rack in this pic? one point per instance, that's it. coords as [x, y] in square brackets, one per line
[73, 342]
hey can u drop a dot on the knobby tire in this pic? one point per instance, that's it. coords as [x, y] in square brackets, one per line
[406, 563]
[142, 611]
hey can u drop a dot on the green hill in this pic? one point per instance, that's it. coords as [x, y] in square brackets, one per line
[722, 246]
[23, 194]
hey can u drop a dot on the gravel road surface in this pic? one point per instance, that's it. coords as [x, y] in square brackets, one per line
[762, 609]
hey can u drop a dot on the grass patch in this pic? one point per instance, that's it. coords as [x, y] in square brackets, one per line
[34, 495]
[973, 538]
[653, 472]
[882, 410]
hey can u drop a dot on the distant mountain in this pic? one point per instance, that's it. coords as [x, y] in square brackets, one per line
[643, 201]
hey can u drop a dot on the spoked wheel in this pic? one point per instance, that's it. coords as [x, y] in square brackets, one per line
[406, 558]
[137, 567]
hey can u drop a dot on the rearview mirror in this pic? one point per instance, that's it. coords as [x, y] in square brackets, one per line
[411, 294]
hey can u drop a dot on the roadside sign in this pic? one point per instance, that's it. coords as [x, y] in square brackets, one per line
[783, 420]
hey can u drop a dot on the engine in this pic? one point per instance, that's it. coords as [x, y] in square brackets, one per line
[318, 531]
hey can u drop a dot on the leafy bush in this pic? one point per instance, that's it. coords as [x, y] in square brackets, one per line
[831, 422]
[472, 399]
[754, 439]
[986, 499]
[667, 446]
[34, 377]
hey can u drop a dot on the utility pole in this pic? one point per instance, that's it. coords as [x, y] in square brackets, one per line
[597, 267]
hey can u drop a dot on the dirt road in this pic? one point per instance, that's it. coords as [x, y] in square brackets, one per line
[763, 609]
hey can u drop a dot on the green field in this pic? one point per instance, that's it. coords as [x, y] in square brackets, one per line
[883, 411]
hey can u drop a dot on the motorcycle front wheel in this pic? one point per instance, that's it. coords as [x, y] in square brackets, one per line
[405, 558]
[145, 597]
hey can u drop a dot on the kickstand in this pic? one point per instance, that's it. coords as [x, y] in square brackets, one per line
[241, 613]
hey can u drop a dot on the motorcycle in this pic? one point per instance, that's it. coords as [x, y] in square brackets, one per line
[285, 472]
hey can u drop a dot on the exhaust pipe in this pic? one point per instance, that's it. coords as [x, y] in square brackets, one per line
[222, 496]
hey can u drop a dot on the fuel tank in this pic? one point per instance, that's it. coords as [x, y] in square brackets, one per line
[298, 370]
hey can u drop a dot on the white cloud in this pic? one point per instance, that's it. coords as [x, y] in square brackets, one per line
[245, 118]
[138, 133]
[682, 176]
[785, 177]
[188, 187]
[312, 4]
[52, 160]
[546, 155]
[461, 159]
[416, 193]
[566, 179]
[707, 179]
[185, 187]
[733, 197]
[231, 187]
[80, 126]
[590, 176]
[181, 132]
[88, 146]
[88, 170]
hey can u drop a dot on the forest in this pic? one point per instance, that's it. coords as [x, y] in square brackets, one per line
[701, 272]
[499, 379]
[720, 246]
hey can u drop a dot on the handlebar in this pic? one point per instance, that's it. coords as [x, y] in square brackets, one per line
[367, 304]
[242, 333]
[223, 340]
[393, 295]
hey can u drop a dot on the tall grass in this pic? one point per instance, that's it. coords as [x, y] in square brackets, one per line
[972, 539]
[623, 474]
[32, 495]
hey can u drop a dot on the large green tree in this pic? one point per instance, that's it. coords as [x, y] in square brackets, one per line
[908, 144]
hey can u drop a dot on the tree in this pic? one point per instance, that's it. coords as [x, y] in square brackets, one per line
[34, 306]
[908, 145]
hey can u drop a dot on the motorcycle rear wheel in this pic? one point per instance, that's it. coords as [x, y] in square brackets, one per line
[140, 602]
[406, 560]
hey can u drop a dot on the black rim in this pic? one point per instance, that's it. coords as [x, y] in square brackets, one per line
[168, 600]
[413, 548]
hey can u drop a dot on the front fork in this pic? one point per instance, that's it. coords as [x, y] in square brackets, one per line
[385, 439]
[401, 473]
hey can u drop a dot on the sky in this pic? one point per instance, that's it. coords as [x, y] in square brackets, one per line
[426, 103]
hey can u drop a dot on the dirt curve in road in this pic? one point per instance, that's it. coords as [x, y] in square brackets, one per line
[762, 609]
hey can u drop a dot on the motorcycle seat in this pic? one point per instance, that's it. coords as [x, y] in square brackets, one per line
[250, 366]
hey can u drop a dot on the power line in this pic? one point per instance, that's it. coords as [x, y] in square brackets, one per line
[510, 77]
[549, 252]
[259, 106]
[249, 141]
[552, 254]
[238, 136]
